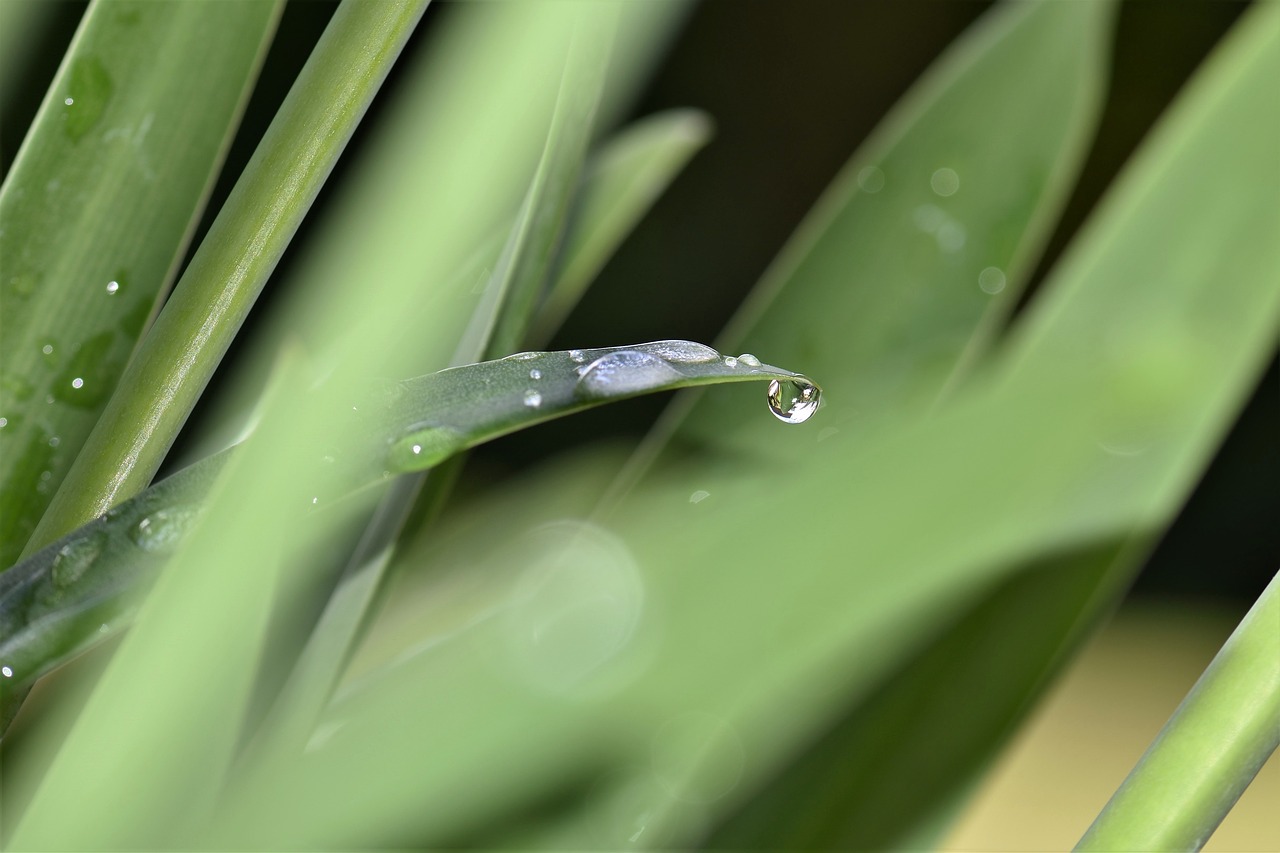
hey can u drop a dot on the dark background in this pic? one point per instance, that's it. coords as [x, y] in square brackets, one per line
[793, 88]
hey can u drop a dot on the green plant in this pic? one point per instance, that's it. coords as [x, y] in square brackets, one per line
[734, 635]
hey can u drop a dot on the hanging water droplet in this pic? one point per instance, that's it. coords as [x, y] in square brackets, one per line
[422, 449]
[535, 374]
[74, 558]
[730, 361]
[532, 399]
[625, 372]
[793, 401]
[749, 360]
[680, 352]
[161, 531]
[577, 356]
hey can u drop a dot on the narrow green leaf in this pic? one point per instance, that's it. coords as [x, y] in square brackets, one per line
[270, 199]
[96, 213]
[53, 603]
[1209, 751]
[624, 180]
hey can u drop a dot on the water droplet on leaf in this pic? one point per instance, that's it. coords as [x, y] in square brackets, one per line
[577, 356]
[161, 531]
[423, 448]
[532, 399]
[680, 352]
[74, 559]
[749, 360]
[535, 374]
[625, 372]
[793, 401]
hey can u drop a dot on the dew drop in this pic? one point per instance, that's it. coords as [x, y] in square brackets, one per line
[6, 672]
[680, 352]
[75, 558]
[871, 179]
[535, 374]
[749, 360]
[77, 383]
[532, 399]
[945, 182]
[47, 349]
[730, 361]
[625, 372]
[113, 287]
[991, 280]
[68, 101]
[4, 422]
[793, 401]
[577, 356]
[161, 531]
[423, 448]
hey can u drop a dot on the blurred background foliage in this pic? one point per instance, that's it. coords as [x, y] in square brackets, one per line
[791, 96]
[793, 91]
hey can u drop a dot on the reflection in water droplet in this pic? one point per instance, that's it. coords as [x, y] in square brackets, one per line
[699, 496]
[577, 356]
[730, 361]
[532, 399]
[945, 182]
[74, 558]
[870, 179]
[68, 101]
[77, 383]
[535, 374]
[697, 757]
[113, 287]
[680, 352]
[422, 449]
[749, 360]
[991, 280]
[624, 372]
[793, 401]
[576, 606]
[161, 531]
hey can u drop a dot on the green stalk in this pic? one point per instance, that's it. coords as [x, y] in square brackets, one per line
[1209, 751]
[175, 361]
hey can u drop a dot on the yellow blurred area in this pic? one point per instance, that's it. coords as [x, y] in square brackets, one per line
[1093, 727]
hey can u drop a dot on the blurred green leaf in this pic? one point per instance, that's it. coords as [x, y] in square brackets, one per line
[625, 178]
[95, 216]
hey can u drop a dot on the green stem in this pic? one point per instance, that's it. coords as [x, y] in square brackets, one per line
[1209, 751]
[175, 361]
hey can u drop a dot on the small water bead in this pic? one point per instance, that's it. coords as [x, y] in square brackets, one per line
[577, 356]
[68, 101]
[422, 449]
[77, 383]
[74, 559]
[7, 672]
[991, 280]
[113, 287]
[749, 360]
[793, 401]
[4, 422]
[680, 352]
[625, 372]
[730, 361]
[944, 182]
[871, 179]
[47, 349]
[161, 531]
[532, 399]
[535, 374]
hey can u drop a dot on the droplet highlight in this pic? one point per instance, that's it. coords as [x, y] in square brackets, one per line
[793, 401]
[680, 352]
[749, 360]
[75, 558]
[532, 399]
[161, 531]
[535, 374]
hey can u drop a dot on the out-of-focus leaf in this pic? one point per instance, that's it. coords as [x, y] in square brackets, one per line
[95, 216]
[624, 180]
